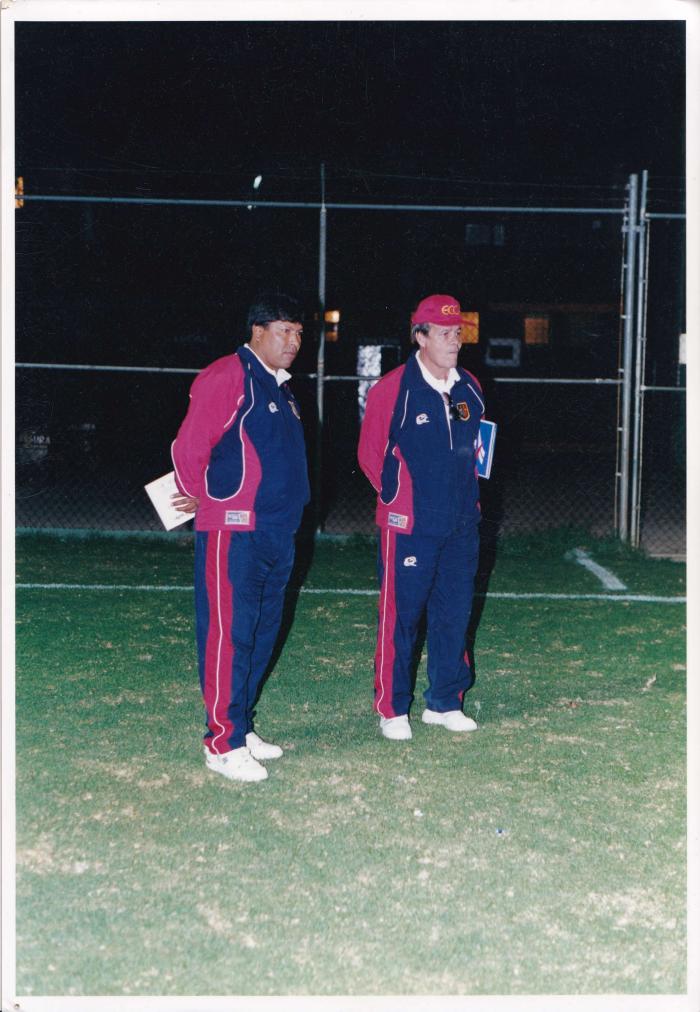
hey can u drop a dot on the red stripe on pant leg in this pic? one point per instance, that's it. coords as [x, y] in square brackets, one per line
[468, 662]
[218, 655]
[385, 654]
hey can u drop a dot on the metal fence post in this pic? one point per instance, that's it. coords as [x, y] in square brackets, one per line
[642, 269]
[627, 360]
[321, 355]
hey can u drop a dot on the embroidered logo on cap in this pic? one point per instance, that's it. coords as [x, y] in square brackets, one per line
[397, 520]
[239, 518]
[410, 560]
[449, 309]
[422, 419]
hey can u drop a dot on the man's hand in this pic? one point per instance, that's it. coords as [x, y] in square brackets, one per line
[184, 503]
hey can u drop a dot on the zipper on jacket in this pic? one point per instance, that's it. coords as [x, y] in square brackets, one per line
[446, 406]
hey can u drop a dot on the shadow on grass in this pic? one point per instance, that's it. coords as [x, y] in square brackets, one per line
[305, 547]
[488, 548]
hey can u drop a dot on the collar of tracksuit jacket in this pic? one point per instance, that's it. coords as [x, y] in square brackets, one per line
[466, 387]
[274, 383]
[280, 375]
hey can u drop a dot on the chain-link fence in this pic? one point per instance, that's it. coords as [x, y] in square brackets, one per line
[660, 480]
[554, 466]
[544, 290]
[87, 442]
[662, 513]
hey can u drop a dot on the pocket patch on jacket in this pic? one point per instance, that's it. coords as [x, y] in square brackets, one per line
[239, 518]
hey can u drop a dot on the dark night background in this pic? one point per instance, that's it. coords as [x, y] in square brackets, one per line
[480, 113]
[509, 113]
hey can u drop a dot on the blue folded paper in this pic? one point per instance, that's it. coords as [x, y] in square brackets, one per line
[485, 448]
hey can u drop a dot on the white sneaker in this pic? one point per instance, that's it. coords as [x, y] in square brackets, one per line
[260, 749]
[453, 720]
[396, 728]
[238, 764]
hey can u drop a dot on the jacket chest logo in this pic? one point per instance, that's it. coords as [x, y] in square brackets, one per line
[273, 407]
[462, 409]
[422, 419]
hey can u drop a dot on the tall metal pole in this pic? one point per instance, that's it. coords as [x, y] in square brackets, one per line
[627, 360]
[635, 483]
[321, 356]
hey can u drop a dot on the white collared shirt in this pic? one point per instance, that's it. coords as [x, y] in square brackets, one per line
[281, 375]
[442, 386]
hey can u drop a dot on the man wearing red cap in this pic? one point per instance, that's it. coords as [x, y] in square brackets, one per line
[418, 448]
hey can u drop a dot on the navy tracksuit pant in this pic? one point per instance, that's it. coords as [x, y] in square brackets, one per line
[420, 573]
[240, 583]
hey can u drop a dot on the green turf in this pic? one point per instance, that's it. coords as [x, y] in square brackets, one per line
[523, 563]
[543, 854]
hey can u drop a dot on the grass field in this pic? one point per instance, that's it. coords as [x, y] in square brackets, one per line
[543, 854]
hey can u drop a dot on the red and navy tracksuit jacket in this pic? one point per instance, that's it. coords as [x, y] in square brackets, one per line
[241, 451]
[423, 466]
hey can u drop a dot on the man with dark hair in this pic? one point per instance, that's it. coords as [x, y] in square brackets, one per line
[418, 446]
[240, 467]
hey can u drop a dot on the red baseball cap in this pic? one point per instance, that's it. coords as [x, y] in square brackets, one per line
[438, 309]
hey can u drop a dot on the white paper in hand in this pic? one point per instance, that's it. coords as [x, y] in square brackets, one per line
[159, 492]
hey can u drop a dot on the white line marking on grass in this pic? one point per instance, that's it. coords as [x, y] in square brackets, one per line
[646, 598]
[99, 586]
[608, 579]
[493, 594]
